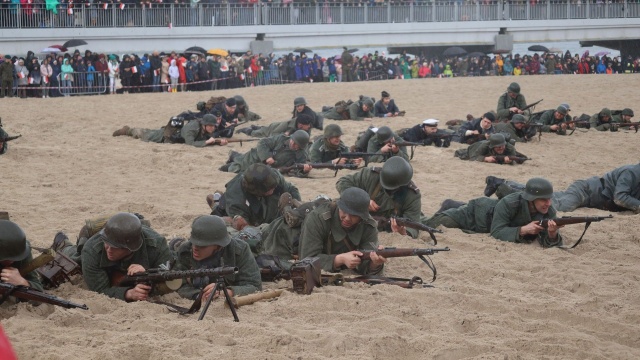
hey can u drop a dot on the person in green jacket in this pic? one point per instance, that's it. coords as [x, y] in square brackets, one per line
[210, 246]
[15, 253]
[336, 232]
[486, 150]
[554, 120]
[301, 122]
[602, 121]
[515, 128]
[123, 247]
[6, 77]
[358, 110]
[622, 116]
[391, 191]
[511, 102]
[384, 143]
[327, 148]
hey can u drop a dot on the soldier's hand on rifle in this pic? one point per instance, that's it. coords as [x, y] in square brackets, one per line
[12, 276]
[135, 268]
[489, 159]
[373, 206]
[306, 168]
[397, 228]
[239, 222]
[552, 227]
[531, 228]
[555, 127]
[386, 148]
[394, 148]
[357, 161]
[270, 161]
[507, 160]
[139, 293]
[207, 292]
[475, 132]
[222, 142]
[515, 110]
[339, 161]
[376, 260]
[350, 259]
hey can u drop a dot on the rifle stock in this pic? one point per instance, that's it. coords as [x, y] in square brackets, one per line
[27, 293]
[524, 109]
[236, 140]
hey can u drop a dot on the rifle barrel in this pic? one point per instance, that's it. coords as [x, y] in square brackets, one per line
[27, 293]
[401, 252]
[568, 220]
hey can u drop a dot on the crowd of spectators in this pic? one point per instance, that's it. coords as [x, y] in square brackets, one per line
[77, 74]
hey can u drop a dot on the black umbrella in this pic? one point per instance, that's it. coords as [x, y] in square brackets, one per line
[538, 48]
[302, 50]
[476, 54]
[500, 51]
[454, 51]
[351, 51]
[196, 50]
[74, 43]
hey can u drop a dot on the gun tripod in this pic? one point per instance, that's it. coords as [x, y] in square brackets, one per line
[220, 285]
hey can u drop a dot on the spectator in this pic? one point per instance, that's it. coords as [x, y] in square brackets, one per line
[66, 76]
[174, 74]
[46, 71]
[114, 73]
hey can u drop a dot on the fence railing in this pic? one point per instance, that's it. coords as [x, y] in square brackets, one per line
[13, 15]
[82, 83]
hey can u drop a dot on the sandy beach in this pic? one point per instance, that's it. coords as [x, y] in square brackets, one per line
[492, 300]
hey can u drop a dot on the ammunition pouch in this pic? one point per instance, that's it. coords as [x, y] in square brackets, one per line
[305, 275]
[172, 131]
[342, 108]
[58, 271]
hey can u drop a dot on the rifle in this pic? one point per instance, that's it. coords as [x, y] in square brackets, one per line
[517, 159]
[27, 293]
[336, 167]
[409, 143]
[10, 138]
[568, 220]
[585, 122]
[357, 155]
[402, 221]
[236, 140]
[165, 277]
[634, 125]
[390, 252]
[524, 109]
[338, 279]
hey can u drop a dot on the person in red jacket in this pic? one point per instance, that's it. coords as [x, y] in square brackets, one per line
[6, 352]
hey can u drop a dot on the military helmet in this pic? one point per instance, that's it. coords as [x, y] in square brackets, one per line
[13, 242]
[299, 101]
[123, 230]
[627, 111]
[209, 230]
[514, 87]
[517, 118]
[384, 134]
[209, 119]
[201, 105]
[354, 201]
[301, 138]
[396, 172]
[239, 101]
[496, 140]
[332, 130]
[562, 110]
[537, 188]
[367, 101]
[259, 179]
[605, 112]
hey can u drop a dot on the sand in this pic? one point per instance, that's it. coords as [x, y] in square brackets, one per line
[491, 300]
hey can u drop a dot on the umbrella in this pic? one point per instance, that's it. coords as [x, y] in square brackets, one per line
[500, 51]
[74, 43]
[195, 50]
[476, 54]
[338, 57]
[585, 54]
[538, 48]
[219, 52]
[50, 50]
[351, 51]
[555, 50]
[302, 50]
[59, 47]
[454, 51]
[602, 53]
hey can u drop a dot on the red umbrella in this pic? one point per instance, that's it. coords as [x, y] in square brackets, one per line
[62, 48]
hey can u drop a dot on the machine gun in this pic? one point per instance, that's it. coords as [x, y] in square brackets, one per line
[410, 224]
[568, 220]
[336, 167]
[165, 280]
[27, 293]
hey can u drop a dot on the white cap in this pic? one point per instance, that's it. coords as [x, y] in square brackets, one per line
[430, 122]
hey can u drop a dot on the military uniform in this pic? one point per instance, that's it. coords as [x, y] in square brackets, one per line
[508, 128]
[32, 277]
[617, 115]
[318, 119]
[4, 147]
[597, 122]
[226, 119]
[406, 202]
[276, 147]
[280, 239]
[322, 152]
[355, 111]
[256, 210]
[473, 125]
[375, 145]
[548, 119]
[277, 128]
[6, 77]
[99, 272]
[511, 213]
[482, 149]
[505, 102]
[473, 217]
[237, 254]
[416, 134]
[324, 237]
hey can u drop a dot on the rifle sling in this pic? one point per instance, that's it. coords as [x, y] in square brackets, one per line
[430, 264]
[586, 226]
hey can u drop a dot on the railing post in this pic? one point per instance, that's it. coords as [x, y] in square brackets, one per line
[144, 16]
[588, 11]
[626, 9]
[455, 11]
[255, 14]
[568, 9]
[548, 9]
[291, 14]
[228, 14]
[389, 12]
[200, 15]
[433, 11]
[477, 17]
[528, 12]
[84, 16]
[341, 13]
[114, 18]
[606, 10]
[366, 15]
[318, 14]
[411, 16]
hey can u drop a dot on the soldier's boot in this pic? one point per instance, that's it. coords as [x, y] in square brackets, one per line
[450, 204]
[492, 185]
[232, 156]
[122, 132]
[213, 199]
[246, 131]
[255, 127]
[60, 241]
[508, 187]
[455, 122]
[326, 108]
[175, 243]
[224, 168]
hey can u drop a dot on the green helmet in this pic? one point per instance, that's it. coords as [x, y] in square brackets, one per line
[627, 111]
[384, 134]
[538, 188]
[301, 138]
[562, 110]
[496, 140]
[240, 101]
[123, 230]
[299, 101]
[332, 130]
[354, 201]
[367, 101]
[209, 119]
[13, 242]
[396, 172]
[605, 112]
[201, 105]
[517, 118]
[209, 230]
[514, 87]
[259, 179]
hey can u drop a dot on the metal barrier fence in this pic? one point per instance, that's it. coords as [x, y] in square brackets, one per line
[82, 83]
[13, 15]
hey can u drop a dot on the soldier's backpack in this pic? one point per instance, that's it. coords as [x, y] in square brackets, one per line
[213, 101]
[342, 108]
[362, 141]
[251, 235]
[172, 131]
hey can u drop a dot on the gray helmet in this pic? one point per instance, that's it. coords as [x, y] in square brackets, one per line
[354, 201]
[562, 110]
[396, 172]
[240, 101]
[627, 111]
[301, 138]
[258, 179]
[517, 118]
[13, 242]
[368, 101]
[201, 105]
[209, 230]
[299, 101]
[605, 112]
[496, 140]
[538, 188]
[209, 119]
[514, 87]
[384, 134]
[123, 230]
[332, 130]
